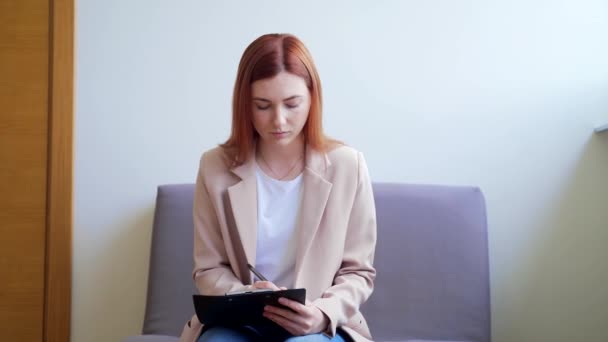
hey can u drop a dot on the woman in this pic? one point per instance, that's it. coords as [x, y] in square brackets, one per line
[282, 196]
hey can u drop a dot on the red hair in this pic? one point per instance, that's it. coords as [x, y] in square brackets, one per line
[264, 58]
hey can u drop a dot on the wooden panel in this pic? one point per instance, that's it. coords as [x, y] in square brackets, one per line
[24, 32]
[59, 224]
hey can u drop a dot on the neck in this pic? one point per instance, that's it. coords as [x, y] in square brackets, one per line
[276, 154]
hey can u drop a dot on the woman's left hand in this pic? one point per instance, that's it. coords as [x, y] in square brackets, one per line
[298, 319]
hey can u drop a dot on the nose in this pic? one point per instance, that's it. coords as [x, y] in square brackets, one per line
[279, 117]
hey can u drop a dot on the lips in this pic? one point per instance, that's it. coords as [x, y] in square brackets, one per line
[279, 134]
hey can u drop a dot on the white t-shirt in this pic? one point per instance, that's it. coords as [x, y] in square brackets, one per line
[278, 208]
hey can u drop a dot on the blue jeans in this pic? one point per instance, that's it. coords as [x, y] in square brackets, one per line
[257, 333]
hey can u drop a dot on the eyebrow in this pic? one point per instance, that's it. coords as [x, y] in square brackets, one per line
[286, 99]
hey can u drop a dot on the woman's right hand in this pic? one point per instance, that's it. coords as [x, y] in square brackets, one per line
[266, 285]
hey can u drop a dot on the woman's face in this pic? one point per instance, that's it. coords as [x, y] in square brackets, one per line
[280, 108]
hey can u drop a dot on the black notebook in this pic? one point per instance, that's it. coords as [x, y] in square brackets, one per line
[241, 308]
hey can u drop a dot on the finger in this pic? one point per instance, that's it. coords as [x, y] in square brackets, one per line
[293, 305]
[283, 288]
[265, 285]
[286, 313]
[285, 323]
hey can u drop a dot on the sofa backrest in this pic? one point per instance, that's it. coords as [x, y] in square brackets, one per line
[170, 285]
[431, 258]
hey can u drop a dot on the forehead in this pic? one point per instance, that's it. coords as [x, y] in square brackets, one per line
[281, 86]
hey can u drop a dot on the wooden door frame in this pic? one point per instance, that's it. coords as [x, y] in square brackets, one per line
[58, 268]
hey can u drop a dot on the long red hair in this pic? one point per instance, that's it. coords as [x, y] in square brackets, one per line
[265, 57]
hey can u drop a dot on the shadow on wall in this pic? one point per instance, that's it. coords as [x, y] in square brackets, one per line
[564, 280]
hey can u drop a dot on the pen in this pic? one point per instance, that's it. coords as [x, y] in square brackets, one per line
[257, 274]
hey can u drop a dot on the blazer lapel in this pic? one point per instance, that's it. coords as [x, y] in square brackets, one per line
[315, 192]
[243, 199]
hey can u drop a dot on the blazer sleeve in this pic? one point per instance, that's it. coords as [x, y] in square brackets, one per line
[354, 281]
[212, 273]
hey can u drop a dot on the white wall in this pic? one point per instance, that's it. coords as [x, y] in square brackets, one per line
[500, 95]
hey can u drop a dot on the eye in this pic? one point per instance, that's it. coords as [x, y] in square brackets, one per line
[261, 107]
[293, 104]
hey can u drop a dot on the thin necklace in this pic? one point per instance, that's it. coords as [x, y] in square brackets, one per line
[274, 173]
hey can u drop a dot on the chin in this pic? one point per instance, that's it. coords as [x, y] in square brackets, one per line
[283, 141]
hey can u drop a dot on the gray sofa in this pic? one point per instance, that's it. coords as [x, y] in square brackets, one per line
[431, 259]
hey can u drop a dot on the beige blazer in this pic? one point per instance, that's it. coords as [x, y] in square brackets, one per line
[336, 234]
